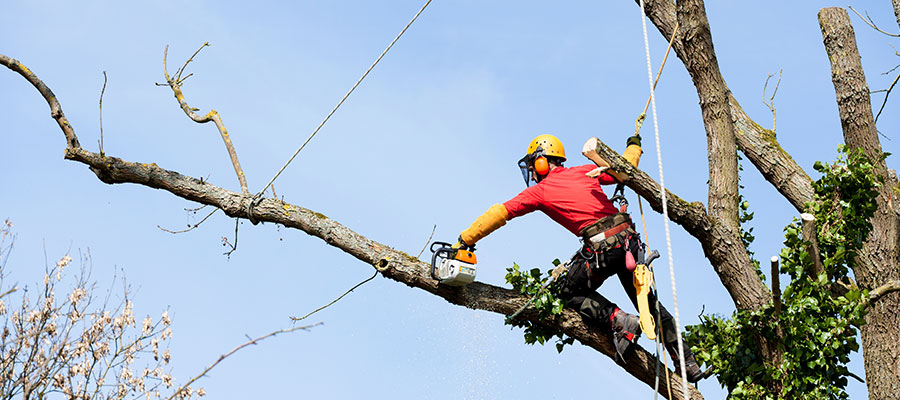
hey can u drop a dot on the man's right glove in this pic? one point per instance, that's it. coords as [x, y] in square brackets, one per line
[460, 244]
[633, 151]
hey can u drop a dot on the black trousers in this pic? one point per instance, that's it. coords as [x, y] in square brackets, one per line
[589, 269]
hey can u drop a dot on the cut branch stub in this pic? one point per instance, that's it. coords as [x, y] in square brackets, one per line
[808, 231]
[212, 115]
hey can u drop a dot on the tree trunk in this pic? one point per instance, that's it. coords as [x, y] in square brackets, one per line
[757, 143]
[897, 10]
[877, 262]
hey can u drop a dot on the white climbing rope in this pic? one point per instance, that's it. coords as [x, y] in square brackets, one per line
[665, 209]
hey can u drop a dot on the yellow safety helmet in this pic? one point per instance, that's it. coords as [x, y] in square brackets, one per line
[535, 160]
[550, 144]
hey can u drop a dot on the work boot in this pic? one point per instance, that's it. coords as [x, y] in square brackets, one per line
[692, 369]
[626, 330]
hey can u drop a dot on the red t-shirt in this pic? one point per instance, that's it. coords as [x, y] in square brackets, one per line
[568, 196]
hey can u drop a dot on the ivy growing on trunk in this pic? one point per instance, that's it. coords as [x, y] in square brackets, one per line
[815, 332]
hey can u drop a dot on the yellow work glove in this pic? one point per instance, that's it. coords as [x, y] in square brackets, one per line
[493, 218]
[633, 151]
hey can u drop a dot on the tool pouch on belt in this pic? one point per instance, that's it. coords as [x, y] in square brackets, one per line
[608, 232]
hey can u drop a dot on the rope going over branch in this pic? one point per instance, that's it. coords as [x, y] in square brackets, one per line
[327, 117]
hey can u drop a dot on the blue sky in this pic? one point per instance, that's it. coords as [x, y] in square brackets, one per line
[455, 101]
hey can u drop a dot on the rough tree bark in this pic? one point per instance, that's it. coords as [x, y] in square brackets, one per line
[391, 263]
[878, 261]
[757, 143]
[896, 10]
[879, 264]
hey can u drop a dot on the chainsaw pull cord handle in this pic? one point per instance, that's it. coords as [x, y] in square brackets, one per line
[445, 248]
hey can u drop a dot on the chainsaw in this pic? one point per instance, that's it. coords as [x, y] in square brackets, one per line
[452, 267]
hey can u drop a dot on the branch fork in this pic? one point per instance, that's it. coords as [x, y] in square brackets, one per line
[175, 83]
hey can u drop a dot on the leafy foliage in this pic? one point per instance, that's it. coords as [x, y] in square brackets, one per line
[544, 299]
[816, 329]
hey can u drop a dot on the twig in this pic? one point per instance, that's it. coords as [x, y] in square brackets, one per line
[102, 91]
[195, 209]
[886, 95]
[854, 376]
[189, 60]
[190, 227]
[226, 355]
[295, 319]
[889, 71]
[212, 115]
[274, 195]
[10, 291]
[868, 20]
[427, 241]
[237, 222]
[771, 103]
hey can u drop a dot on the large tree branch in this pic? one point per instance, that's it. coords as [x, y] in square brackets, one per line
[392, 264]
[213, 115]
[725, 252]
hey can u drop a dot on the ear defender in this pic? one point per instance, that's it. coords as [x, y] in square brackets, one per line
[541, 167]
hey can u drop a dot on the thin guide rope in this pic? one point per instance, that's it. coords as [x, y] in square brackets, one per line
[665, 209]
[344, 98]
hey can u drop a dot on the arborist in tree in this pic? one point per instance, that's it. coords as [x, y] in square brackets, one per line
[573, 197]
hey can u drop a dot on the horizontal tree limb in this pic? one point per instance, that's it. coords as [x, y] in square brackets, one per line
[392, 263]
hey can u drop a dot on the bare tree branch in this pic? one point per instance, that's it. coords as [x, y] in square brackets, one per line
[886, 95]
[427, 241]
[868, 20]
[393, 264]
[212, 115]
[771, 103]
[235, 350]
[102, 91]
[335, 300]
[190, 227]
